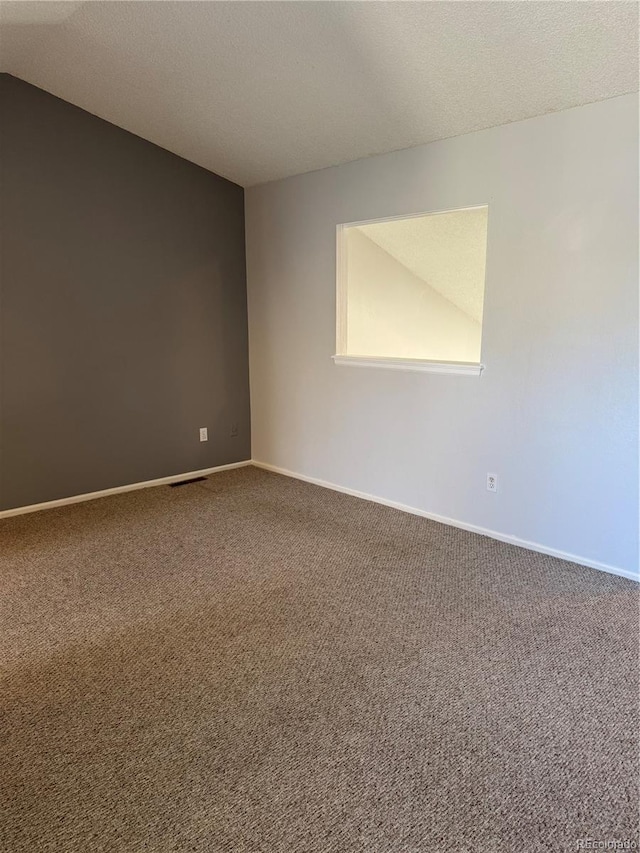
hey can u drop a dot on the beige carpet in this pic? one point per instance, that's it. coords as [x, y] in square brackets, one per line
[258, 665]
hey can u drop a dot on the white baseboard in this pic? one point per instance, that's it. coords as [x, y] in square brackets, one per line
[483, 531]
[204, 472]
[89, 496]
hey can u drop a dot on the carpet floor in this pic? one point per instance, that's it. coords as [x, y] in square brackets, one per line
[252, 664]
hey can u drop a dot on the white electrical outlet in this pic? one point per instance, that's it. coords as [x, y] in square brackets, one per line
[204, 435]
[492, 482]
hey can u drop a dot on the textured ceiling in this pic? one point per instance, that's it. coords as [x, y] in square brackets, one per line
[260, 90]
[446, 250]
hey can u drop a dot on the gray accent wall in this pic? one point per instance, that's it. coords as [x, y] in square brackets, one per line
[123, 306]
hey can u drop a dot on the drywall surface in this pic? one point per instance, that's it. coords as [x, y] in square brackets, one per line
[555, 413]
[448, 250]
[258, 91]
[123, 306]
[394, 314]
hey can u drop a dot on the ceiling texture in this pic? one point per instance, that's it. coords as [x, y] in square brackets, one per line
[257, 91]
[447, 251]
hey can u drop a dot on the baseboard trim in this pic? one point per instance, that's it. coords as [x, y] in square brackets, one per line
[204, 472]
[472, 528]
[131, 487]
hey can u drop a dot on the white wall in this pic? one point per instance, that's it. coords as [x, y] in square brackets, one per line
[555, 413]
[446, 249]
[394, 314]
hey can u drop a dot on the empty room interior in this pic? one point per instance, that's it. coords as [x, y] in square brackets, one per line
[319, 517]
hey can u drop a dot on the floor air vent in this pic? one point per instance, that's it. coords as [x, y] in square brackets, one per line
[186, 482]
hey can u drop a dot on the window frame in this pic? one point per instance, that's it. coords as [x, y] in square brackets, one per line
[342, 357]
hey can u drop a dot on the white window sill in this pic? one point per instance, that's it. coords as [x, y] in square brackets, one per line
[464, 368]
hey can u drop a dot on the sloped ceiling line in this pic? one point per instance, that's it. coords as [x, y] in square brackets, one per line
[257, 91]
